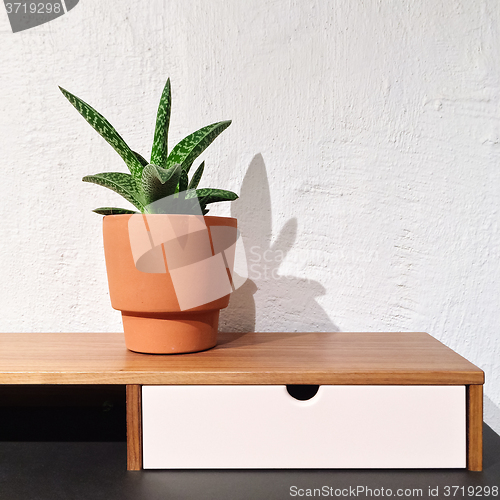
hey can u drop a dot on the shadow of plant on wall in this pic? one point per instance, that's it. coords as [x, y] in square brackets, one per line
[284, 303]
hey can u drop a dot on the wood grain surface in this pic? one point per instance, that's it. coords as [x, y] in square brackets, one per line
[250, 358]
[134, 427]
[475, 427]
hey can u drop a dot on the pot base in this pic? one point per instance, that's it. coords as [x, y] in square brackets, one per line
[171, 333]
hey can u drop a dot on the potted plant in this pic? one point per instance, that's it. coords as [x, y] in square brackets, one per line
[169, 265]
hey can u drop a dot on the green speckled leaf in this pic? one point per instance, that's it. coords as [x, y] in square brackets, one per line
[158, 182]
[183, 181]
[123, 184]
[107, 131]
[113, 211]
[186, 151]
[160, 144]
[141, 159]
[210, 195]
[195, 180]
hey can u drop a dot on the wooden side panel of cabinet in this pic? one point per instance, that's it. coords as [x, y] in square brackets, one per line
[475, 427]
[134, 427]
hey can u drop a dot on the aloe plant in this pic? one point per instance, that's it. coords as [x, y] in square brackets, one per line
[166, 175]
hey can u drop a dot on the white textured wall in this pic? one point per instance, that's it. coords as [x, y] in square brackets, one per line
[365, 144]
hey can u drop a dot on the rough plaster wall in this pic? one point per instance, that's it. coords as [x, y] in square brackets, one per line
[364, 143]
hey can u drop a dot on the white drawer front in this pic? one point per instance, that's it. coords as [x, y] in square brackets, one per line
[263, 426]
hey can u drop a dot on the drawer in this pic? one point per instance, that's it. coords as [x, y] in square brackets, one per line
[263, 426]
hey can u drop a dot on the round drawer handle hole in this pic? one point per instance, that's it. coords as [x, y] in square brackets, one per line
[302, 392]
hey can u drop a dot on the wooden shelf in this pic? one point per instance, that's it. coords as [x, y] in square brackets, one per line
[245, 359]
[251, 358]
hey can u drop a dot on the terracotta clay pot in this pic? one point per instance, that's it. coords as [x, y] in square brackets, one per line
[153, 320]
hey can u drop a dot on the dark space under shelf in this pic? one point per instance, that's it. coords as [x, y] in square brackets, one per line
[62, 413]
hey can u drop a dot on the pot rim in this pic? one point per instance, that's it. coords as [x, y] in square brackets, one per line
[209, 217]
